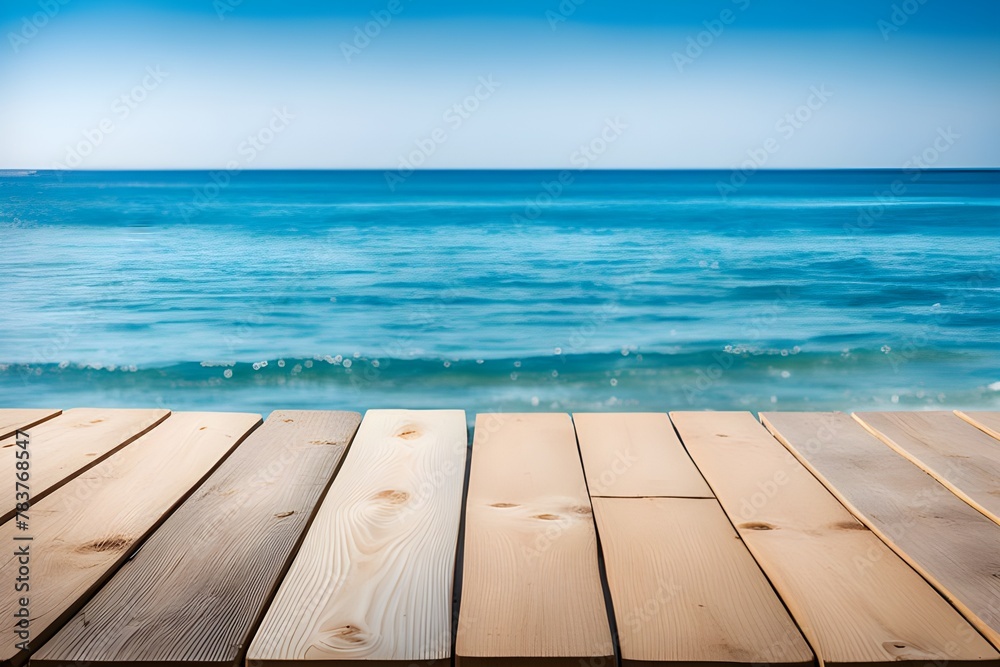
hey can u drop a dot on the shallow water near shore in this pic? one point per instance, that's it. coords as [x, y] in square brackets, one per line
[513, 290]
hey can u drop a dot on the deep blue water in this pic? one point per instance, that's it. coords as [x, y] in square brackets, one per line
[497, 291]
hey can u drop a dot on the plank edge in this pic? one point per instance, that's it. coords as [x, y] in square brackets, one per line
[991, 636]
[936, 476]
[33, 424]
[978, 424]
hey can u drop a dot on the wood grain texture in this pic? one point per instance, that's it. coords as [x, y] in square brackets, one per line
[373, 579]
[686, 590]
[197, 588]
[953, 451]
[855, 600]
[636, 455]
[83, 531]
[955, 547]
[531, 592]
[65, 446]
[987, 422]
[12, 419]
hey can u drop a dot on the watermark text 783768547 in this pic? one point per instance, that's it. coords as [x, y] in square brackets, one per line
[22, 540]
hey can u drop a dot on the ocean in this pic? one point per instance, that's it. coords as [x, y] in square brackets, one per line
[501, 290]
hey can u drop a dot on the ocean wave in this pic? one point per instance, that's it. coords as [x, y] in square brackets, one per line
[740, 378]
[339, 367]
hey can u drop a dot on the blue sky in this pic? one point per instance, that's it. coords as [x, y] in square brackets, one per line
[98, 84]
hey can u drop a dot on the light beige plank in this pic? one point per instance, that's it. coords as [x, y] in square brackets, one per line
[12, 419]
[950, 449]
[685, 589]
[855, 600]
[955, 547]
[373, 579]
[83, 531]
[987, 422]
[636, 455]
[531, 592]
[199, 586]
[65, 446]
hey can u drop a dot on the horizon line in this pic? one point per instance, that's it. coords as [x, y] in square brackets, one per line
[481, 169]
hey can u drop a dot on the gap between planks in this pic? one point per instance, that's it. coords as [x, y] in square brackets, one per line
[196, 591]
[810, 545]
[531, 592]
[952, 545]
[987, 422]
[85, 530]
[951, 450]
[372, 582]
[683, 587]
[17, 419]
[72, 443]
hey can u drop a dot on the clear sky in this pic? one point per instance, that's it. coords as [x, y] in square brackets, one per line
[100, 84]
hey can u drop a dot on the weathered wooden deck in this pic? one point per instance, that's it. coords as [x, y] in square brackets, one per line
[593, 539]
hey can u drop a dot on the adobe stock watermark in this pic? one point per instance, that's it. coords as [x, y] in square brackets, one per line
[913, 169]
[924, 500]
[765, 319]
[658, 603]
[786, 127]
[582, 158]
[365, 33]
[936, 324]
[562, 13]
[621, 464]
[901, 13]
[35, 23]
[703, 39]
[597, 318]
[121, 108]
[16, 223]
[223, 7]
[248, 149]
[453, 118]
[48, 350]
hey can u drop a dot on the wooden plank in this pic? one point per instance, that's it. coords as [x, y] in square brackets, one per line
[197, 589]
[686, 590]
[85, 530]
[953, 451]
[531, 590]
[636, 455]
[12, 419]
[67, 445]
[373, 579]
[987, 422]
[855, 600]
[955, 547]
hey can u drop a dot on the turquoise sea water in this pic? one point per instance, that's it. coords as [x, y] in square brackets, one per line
[501, 290]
